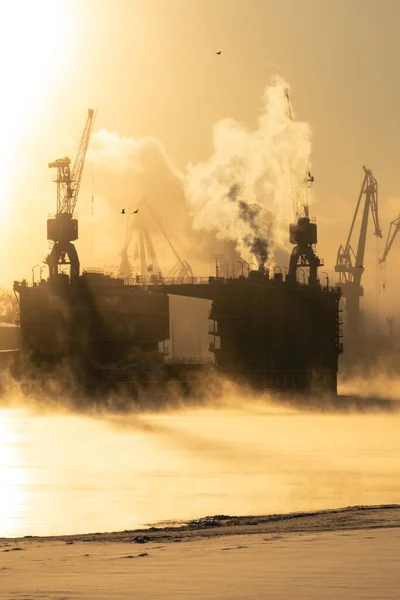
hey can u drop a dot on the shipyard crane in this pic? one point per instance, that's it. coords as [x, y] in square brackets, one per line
[393, 230]
[62, 229]
[182, 268]
[350, 264]
[144, 249]
[303, 233]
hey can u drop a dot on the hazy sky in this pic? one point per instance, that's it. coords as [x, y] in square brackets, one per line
[150, 68]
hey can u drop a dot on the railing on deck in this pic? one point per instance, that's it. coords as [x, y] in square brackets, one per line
[187, 360]
[159, 281]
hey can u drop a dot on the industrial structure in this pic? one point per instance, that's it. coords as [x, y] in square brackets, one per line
[350, 263]
[137, 232]
[266, 329]
[91, 323]
[62, 228]
[138, 239]
[302, 233]
[272, 333]
[181, 268]
[100, 329]
[367, 345]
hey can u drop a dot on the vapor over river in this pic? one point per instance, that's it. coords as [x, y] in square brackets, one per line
[64, 473]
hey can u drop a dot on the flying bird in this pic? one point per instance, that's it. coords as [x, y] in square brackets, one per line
[123, 211]
[219, 52]
[135, 211]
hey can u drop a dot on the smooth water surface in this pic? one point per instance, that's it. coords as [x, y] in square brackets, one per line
[63, 473]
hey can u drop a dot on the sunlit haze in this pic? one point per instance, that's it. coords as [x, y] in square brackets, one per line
[151, 70]
[199, 304]
[33, 48]
[140, 469]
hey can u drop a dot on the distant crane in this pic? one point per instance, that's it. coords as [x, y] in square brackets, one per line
[62, 229]
[350, 264]
[182, 268]
[144, 250]
[393, 230]
[390, 321]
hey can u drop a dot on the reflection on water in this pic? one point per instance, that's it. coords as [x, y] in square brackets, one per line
[71, 474]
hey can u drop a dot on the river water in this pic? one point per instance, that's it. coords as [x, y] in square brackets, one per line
[69, 473]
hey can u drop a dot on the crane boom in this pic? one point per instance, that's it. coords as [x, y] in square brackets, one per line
[184, 268]
[81, 155]
[393, 230]
[298, 192]
[145, 249]
[68, 183]
[298, 206]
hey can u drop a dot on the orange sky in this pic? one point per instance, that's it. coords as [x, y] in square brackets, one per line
[150, 69]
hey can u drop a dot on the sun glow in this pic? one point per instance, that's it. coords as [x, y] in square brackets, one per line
[33, 44]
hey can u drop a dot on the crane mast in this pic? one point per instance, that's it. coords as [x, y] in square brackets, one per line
[350, 264]
[62, 229]
[303, 233]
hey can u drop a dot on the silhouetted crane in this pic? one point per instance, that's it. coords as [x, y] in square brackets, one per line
[182, 268]
[350, 264]
[144, 250]
[62, 229]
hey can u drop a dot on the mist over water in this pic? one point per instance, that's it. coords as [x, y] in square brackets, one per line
[64, 472]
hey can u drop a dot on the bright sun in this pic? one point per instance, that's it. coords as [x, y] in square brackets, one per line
[33, 48]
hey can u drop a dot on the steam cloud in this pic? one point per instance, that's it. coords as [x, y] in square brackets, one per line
[245, 190]
[243, 194]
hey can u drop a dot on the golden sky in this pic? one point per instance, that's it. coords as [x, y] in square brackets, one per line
[149, 67]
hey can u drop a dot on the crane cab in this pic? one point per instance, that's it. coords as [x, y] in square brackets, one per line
[62, 228]
[303, 232]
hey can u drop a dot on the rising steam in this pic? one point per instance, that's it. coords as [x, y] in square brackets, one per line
[245, 190]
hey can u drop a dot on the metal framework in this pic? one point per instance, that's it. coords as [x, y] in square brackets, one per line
[144, 250]
[182, 268]
[68, 183]
[350, 264]
[63, 228]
